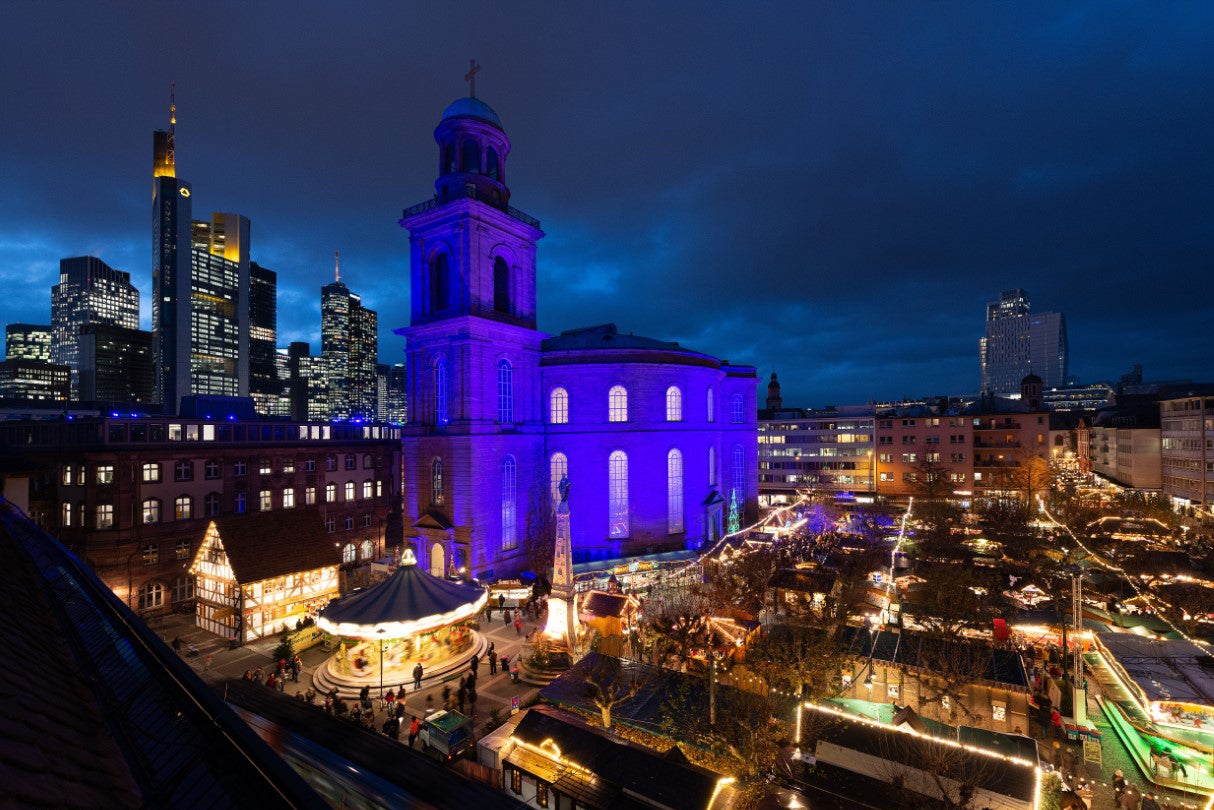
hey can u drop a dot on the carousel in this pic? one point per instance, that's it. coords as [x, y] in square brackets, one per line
[383, 633]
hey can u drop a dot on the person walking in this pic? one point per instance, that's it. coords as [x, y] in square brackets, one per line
[492, 656]
[1119, 784]
[474, 664]
[270, 680]
[461, 697]
[1149, 802]
[415, 728]
[518, 625]
[206, 665]
[1056, 722]
[281, 683]
[417, 677]
[472, 701]
[176, 644]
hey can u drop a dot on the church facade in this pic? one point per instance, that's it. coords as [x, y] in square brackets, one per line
[658, 441]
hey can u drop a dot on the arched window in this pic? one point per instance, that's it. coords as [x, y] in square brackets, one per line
[711, 410]
[151, 510]
[366, 550]
[470, 157]
[558, 406]
[736, 411]
[617, 494]
[437, 496]
[558, 468]
[448, 160]
[183, 507]
[505, 392]
[674, 404]
[737, 473]
[617, 404]
[674, 492]
[501, 285]
[440, 391]
[347, 553]
[440, 282]
[491, 162]
[151, 596]
[712, 465]
[509, 504]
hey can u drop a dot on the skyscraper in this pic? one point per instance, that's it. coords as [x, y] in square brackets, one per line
[1018, 343]
[24, 341]
[349, 347]
[200, 282]
[89, 291]
[116, 365]
[264, 385]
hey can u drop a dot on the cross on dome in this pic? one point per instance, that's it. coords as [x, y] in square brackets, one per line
[470, 77]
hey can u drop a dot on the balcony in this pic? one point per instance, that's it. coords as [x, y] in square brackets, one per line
[510, 210]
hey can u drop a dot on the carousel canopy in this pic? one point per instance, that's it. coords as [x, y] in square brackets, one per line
[410, 601]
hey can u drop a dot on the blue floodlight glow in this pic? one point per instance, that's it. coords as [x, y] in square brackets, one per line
[231, 417]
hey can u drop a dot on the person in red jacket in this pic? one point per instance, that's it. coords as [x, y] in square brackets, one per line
[415, 728]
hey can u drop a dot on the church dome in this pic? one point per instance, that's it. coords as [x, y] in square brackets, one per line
[472, 108]
[1031, 379]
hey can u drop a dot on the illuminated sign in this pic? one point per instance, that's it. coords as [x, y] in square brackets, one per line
[185, 192]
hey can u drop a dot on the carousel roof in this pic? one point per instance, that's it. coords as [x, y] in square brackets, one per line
[408, 602]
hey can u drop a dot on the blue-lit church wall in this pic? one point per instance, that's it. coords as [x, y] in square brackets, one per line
[497, 409]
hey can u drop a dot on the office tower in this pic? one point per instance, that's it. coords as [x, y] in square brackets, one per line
[395, 407]
[89, 291]
[24, 341]
[1018, 343]
[116, 365]
[264, 385]
[34, 380]
[200, 282]
[349, 346]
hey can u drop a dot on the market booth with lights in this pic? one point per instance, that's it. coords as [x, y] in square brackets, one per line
[384, 631]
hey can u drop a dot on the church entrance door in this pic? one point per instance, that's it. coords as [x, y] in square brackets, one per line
[438, 560]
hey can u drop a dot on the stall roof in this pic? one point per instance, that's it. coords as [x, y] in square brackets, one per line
[1173, 669]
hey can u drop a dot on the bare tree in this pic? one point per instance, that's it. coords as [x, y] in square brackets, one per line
[930, 773]
[801, 660]
[611, 683]
[539, 542]
[1188, 603]
[739, 582]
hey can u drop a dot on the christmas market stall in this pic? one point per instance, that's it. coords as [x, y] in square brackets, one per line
[385, 631]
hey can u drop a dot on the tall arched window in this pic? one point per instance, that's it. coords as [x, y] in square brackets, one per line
[712, 465]
[737, 473]
[617, 492]
[711, 411]
[509, 504]
[440, 391]
[491, 162]
[558, 468]
[674, 404]
[505, 392]
[501, 285]
[440, 282]
[558, 406]
[674, 492]
[448, 160]
[617, 404]
[736, 411]
[471, 157]
[437, 496]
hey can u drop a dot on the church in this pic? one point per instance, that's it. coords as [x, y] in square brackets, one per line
[659, 441]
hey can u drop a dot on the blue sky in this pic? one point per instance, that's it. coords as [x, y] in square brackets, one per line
[830, 190]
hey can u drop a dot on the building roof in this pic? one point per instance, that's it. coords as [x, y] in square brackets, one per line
[805, 580]
[272, 544]
[661, 781]
[603, 604]
[906, 648]
[1173, 669]
[470, 107]
[625, 348]
[96, 711]
[409, 595]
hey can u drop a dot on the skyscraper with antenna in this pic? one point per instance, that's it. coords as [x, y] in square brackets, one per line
[349, 348]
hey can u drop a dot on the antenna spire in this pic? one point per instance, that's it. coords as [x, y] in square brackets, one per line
[170, 157]
[336, 266]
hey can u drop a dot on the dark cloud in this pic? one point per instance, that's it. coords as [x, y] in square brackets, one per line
[830, 190]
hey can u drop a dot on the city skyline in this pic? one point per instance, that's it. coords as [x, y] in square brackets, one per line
[757, 175]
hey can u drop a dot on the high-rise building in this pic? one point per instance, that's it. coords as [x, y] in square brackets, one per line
[24, 341]
[1018, 343]
[349, 345]
[392, 382]
[116, 365]
[264, 385]
[89, 291]
[200, 281]
[34, 380]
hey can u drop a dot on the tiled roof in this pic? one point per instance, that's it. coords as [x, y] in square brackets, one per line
[272, 544]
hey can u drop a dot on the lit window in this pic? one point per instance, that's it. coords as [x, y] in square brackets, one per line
[151, 473]
[440, 391]
[379, 488]
[505, 392]
[151, 596]
[737, 412]
[105, 516]
[105, 473]
[674, 492]
[349, 490]
[558, 468]
[68, 475]
[210, 504]
[151, 510]
[150, 554]
[183, 507]
[558, 406]
[265, 500]
[674, 404]
[366, 550]
[541, 793]
[288, 466]
[310, 496]
[617, 404]
[330, 493]
[347, 553]
[368, 489]
[617, 491]
[288, 498]
[265, 467]
[65, 518]
[509, 504]
[437, 495]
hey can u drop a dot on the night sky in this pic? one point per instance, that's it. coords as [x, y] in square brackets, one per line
[830, 190]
